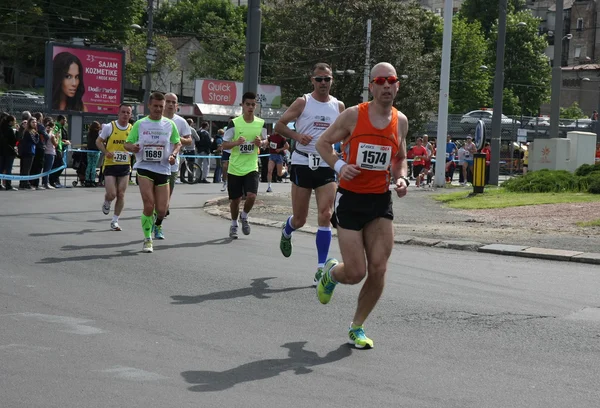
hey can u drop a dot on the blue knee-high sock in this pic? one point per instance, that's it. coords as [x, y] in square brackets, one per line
[288, 227]
[323, 241]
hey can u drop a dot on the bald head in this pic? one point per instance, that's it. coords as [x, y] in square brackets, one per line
[383, 69]
[170, 105]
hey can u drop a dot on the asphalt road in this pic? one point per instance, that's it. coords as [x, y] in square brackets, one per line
[87, 320]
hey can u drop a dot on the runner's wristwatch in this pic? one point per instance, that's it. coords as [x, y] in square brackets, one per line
[405, 180]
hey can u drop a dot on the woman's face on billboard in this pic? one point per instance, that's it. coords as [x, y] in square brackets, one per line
[71, 81]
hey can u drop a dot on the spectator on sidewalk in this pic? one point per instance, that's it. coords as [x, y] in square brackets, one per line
[8, 149]
[488, 157]
[27, 147]
[61, 135]
[217, 151]
[203, 148]
[49, 151]
[451, 151]
[420, 156]
[38, 160]
[93, 156]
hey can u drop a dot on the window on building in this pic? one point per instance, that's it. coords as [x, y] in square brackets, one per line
[577, 52]
[580, 24]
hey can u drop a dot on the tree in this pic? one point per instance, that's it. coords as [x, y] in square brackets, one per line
[27, 25]
[487, 12]
[572, 112]
[218, 25]
[137, 47]
[469, 80]
[527, 72]
[300, 33]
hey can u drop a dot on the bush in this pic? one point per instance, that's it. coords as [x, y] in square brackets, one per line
[543, 181]
[593, 183]
[557, 181]
[586, 169]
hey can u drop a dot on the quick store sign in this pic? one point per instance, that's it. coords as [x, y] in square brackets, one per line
[210, 91]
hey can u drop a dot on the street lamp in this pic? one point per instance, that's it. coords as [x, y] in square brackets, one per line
[150, 53]
[597, 124]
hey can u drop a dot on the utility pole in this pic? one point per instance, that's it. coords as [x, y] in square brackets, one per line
[252, 47]
[442, 130]
[498, 90]
[150, 56]
[366, 77]
[556, 70]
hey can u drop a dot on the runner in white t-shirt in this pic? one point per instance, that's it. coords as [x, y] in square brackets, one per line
[155, 142]
[185, 135]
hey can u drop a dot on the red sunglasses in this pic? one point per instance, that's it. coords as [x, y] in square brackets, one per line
[392, 79]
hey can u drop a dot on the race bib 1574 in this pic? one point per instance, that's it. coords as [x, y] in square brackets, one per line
[374, 157]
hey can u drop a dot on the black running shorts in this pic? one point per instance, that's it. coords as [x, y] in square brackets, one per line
[237, 185]
[353, 211]
[118, 170]
[302, 176]
[158, 179]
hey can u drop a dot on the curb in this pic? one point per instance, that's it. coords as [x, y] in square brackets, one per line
[498, 249]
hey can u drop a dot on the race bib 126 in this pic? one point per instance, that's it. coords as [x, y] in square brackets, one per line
[373, 157]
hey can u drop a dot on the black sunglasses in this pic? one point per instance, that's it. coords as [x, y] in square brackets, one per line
[321, 79]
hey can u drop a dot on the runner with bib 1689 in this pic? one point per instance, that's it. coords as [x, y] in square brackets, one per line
[155, 142]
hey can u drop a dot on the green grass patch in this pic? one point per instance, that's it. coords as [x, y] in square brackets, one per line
[500, 198]
[595, 223]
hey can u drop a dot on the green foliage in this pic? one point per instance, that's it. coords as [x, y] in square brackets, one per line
[510, 103]
[555, 181]
[220, 28]
[486, 11]
[586, 169]
[469, 83]
[572, 112]
[594, 185]
[300, 33]
[527, 73]
[28, 25]
[136, 66]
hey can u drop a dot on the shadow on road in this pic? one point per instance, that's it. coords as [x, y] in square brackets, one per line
[100, 246]
[299, 361]
[258, 288]
[130, 252]
[80, 232]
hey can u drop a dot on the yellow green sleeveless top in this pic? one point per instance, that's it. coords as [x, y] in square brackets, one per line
[244, 158]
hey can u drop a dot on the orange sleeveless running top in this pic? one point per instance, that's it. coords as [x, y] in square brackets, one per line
[372, 150]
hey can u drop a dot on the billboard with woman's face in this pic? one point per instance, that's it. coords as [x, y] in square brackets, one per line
[84, 79]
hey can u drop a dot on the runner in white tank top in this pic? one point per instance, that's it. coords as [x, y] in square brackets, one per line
[313, 114]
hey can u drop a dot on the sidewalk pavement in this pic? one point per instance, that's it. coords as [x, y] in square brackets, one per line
[420, 220]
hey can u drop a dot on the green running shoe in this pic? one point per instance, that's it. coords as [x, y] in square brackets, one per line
[158, 232]
[326, 285]
[317, 276]
[285, 244]
[358, 338]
